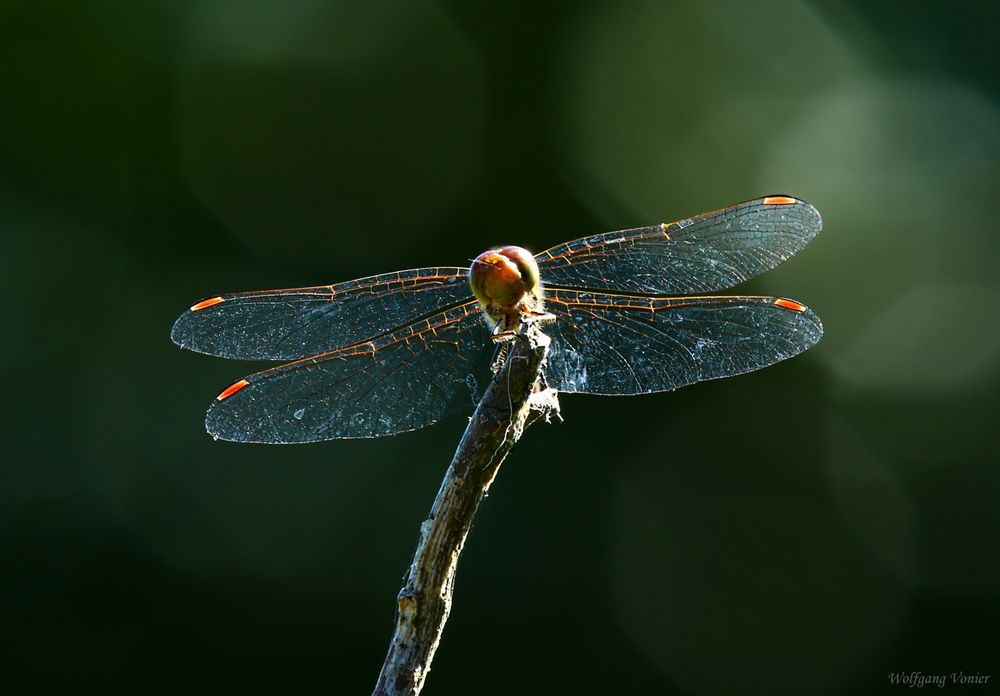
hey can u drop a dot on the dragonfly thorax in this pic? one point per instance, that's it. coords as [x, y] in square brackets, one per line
[506, 283]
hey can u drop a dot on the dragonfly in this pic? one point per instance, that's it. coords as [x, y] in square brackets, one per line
[627, 313]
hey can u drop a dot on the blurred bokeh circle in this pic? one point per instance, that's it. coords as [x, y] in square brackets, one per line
[814, 596]
[671, 107]
[292, 118]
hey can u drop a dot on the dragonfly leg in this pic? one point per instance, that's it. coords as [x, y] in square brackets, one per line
[531, 316]
[511, 327]
[503, 348]
[505, 336]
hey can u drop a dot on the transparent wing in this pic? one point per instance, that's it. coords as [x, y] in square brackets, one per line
[620, 345]
[402, 381]
[296, 323]
[706, 253]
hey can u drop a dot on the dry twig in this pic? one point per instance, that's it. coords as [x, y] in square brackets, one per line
[510, 404]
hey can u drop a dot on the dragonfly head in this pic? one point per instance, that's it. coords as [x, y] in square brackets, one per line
[502, 277]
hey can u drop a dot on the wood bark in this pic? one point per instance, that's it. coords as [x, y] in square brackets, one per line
[512, 401]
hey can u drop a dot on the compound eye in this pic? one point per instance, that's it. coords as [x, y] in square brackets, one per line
[496, 280]
[525, 263]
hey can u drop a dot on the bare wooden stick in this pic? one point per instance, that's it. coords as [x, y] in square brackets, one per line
[510, 404]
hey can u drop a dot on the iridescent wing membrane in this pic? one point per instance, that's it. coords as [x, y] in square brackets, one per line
[399, 351]
[632, 343]
[401, 381]
[620, 345]
[707, 253]
[302, 322]
[378, 355]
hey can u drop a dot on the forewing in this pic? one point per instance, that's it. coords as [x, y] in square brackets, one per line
[621, 345]
[706, 253]
[402, 381]
[300, 322]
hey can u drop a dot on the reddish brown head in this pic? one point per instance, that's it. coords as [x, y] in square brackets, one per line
[502, 277]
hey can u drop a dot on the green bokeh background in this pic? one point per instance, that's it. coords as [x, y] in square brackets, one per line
[806, 529]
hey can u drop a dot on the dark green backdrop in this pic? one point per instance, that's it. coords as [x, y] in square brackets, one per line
[810, 528]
